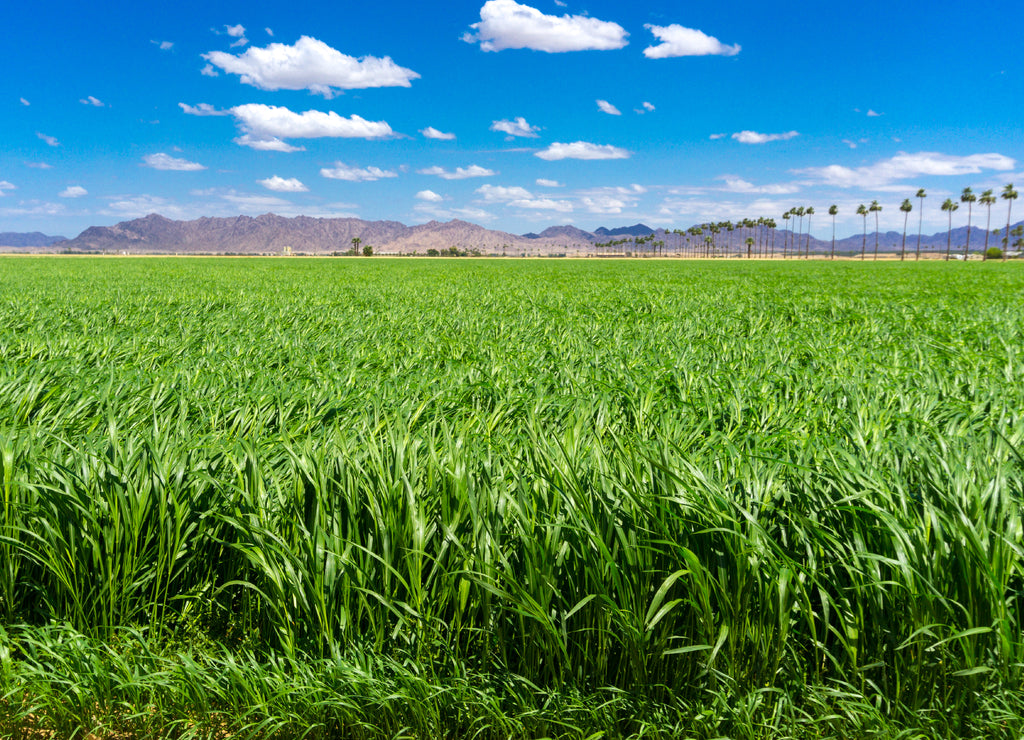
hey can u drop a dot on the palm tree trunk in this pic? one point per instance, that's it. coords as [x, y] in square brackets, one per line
[876, 236]
[920, 221]
[949, 234]
[988, 227]
[903, 249]
[833, 238]
[967, 246]
[1009, 208]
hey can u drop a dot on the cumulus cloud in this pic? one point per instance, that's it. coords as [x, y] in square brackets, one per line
[342, 171]
[4, 185]
[753, 137]
[73, 191]
[429, 196]
[605, 107]
[611, 200]
[679, 41]
[312, 65]
[52, 141]
[545, 183]
[161, 161]
[265, 127]
[460, 173]
[904, 166]
[873, 114]
[24, 102]
[203, 109]
[283, 185]
[90, 100]
[506, 24]
[266, 144]
[237, 32]
[432, 133]
[518, 127]
[543, 204]
[735, 184]
[716, 137]
[582, 150]
[648, 106]
[499, 194]
[163, 45]
[209, 71]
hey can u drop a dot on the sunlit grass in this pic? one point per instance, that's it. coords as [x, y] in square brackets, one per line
[497, 499]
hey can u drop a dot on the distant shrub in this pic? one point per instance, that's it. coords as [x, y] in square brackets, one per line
[993, 253]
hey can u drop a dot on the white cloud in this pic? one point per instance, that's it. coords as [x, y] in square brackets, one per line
[52, 141]
[73, 191]
[341, 171]
[716, 137]
[161, 161]
[266, 144]
[269, 32]
[753, 137]
[543, 204]
[429, 195]
[460, 173]
[518, 127]
[850, 143]
[164, 45]
[582, 150]
[499, 194]
[24, 102]
[264, 127]
[648, 106]
[203, 109]
[506, 24]
[606, 107]
[237, 32]
[282, 185]
[252, 203]
[209, 71]
[4, 185]
[611, 200]
[678, 41]
[311, 65]
[734, 184]
[39, 165]
[872, 114]
[432, 133]
[545, 183]
[90, 100]
[904, 166]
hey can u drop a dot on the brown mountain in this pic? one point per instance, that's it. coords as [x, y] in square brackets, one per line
[270, 234]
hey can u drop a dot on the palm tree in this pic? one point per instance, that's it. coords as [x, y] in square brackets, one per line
[832, 211]
[1009, 195]
[987, 199]
[807, 249]
[921, 195]
[968, 197]
[950, 206]
[875, 208]
[906, 206]
[799, 211]
[785, 234]
[863, 211]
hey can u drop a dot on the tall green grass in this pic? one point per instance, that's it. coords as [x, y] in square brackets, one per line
[511, 499]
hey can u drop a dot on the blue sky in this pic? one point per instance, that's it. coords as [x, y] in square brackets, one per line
[513, 115]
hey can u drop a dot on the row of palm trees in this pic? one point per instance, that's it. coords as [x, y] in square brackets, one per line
[758, 235]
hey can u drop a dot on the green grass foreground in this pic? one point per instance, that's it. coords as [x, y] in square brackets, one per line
[490, 499]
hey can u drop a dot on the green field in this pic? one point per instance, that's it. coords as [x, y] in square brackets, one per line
[497, 499]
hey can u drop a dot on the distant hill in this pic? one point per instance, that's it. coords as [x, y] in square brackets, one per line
[635, 230]
[33, 239]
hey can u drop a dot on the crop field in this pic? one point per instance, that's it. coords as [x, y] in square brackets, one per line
[510, 499]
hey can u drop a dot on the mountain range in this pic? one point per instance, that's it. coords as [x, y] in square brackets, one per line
[272, 234]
